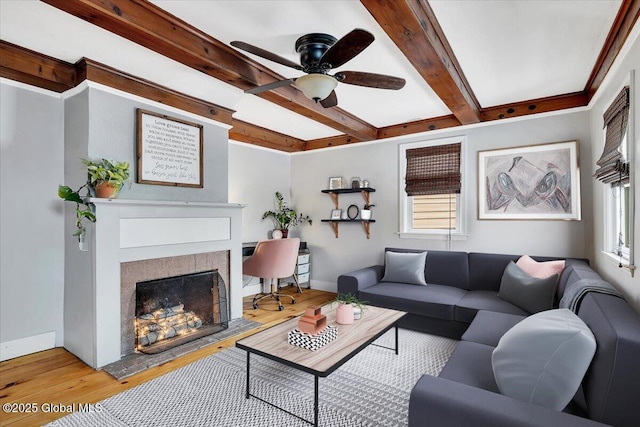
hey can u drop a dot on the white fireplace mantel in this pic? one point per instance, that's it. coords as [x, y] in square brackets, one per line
[133, 230]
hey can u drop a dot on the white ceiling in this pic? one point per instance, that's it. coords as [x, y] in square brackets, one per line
[509, 51]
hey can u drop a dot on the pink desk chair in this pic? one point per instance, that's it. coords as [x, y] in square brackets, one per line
[273, 259]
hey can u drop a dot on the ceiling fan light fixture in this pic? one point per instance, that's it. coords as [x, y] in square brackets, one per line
[316, 86]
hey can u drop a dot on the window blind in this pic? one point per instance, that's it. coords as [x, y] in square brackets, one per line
[613, 167]
[433, 170]
[434, 212]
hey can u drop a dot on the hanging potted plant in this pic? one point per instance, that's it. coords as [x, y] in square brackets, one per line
[106, 177]
[365, 213]
[84, 209]
[285, 217]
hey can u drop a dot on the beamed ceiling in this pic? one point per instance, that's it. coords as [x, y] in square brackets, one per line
[464, 62]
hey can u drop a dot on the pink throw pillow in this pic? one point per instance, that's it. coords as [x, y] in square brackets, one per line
[540, 270]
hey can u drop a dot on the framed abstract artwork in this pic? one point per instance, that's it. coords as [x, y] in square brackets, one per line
[530, 182]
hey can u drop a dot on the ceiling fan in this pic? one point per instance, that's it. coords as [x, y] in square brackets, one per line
[319, 54]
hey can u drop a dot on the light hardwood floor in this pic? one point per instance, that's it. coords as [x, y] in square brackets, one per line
[57, 377]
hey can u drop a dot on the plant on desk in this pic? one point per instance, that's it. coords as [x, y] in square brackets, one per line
[284, 217]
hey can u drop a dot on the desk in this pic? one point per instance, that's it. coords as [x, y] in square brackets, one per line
[303, 265]
[249, 247]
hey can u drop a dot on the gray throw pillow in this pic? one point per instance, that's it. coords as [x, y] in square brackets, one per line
[543, 359]
[405, 267]
[528, 293]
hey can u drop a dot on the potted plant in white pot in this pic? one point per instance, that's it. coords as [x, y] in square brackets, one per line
[285, 217]
[365, 213]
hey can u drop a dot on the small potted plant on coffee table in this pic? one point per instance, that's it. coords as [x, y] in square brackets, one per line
[349, 309]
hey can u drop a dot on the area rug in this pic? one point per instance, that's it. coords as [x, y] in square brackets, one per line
[137, 362]
[372, 389]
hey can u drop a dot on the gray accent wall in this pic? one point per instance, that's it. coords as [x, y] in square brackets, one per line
[112, 135]
[31, 218]
[378, 162]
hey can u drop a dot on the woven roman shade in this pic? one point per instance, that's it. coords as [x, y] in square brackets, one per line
[613, 167]
[433, 170]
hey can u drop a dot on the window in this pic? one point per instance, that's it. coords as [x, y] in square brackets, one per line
[614, 171]
[430, 188]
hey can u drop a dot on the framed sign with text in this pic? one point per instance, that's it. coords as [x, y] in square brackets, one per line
[169, 150]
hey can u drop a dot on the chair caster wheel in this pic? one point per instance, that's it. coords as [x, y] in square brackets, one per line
[255, 306]
[280, 307]
[293, 301]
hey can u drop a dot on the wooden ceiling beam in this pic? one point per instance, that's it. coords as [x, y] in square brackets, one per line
[535, 106]
[152, 27]
[418, 126]
[623, 24]
[331, 141]
[257, 135]
[413, 27]
[36, 69]
[88, 69]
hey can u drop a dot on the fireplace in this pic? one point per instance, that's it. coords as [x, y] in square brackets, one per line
[142, 240]
[175, 310]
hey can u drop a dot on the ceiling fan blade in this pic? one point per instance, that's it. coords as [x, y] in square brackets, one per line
[265, 54]
[270, 86]
[379, 81]
[330, 101]
[347, 48]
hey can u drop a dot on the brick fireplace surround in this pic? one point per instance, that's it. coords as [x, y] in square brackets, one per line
[137, 230]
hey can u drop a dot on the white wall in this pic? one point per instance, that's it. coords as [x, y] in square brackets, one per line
[378, 163]
[31, 219]
[255, 174]
[606, 266]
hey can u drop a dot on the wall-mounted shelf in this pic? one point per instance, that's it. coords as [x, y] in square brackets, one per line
[335, 197]
[335, 194]
[334, 224]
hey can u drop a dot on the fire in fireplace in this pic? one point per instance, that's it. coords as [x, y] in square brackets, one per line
[175, 310]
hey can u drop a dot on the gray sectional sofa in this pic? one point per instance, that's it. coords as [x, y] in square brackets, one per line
[461, 301]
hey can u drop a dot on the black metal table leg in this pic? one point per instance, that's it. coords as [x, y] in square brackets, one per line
[396, 339]
[315, 402]
[248, 365]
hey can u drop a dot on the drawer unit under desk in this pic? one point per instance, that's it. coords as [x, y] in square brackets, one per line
[303, 259]
[302, 268]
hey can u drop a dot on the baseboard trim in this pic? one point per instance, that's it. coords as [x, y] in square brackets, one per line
[324, 286]
[28, 345]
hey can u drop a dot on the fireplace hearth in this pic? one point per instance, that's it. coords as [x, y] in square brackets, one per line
[174, 310]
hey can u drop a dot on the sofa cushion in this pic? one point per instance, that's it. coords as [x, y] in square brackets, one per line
[528, 293]
[444, 267]
[543, 359]
[489, 326]
[436, 301]
[405, 267]
[473, 301]
[470, 364]
[448, 268]
[485, 270]
[540, 270]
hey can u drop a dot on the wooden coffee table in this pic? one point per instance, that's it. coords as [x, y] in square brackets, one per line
[272, 344]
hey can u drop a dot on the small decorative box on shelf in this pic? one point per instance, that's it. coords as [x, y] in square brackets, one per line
[313, 342]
